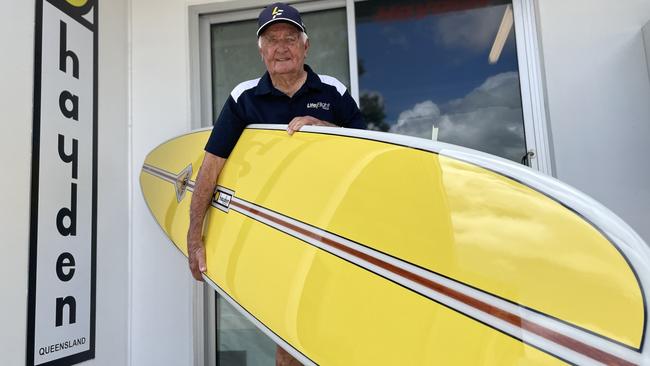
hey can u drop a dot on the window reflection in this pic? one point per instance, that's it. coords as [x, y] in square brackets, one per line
[445, 68]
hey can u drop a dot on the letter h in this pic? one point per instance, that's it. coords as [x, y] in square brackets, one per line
[64, 53]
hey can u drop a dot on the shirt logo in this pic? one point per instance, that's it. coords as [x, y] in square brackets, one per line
[277, 12]
[317, 105]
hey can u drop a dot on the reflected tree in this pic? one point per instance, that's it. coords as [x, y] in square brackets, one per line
[372, 110]
[372, 107]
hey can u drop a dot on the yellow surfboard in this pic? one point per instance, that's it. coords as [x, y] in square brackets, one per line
[352, 247]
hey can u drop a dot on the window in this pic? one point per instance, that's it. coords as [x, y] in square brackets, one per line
[442, 69]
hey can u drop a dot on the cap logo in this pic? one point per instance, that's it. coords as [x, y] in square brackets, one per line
[277, 12]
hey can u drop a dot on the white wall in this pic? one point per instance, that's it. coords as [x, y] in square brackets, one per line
[113, 187]
[16, 80]
[599, 101]
[16, 88]
[161, 285]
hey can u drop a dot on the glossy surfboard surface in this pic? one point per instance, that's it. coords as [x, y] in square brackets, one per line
[353, 247]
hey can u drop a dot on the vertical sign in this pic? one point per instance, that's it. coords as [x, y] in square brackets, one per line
[63, 222]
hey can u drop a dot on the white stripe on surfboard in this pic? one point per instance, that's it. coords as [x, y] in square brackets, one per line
[524, 335]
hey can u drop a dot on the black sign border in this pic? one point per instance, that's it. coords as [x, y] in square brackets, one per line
[33, 226]
[77, 13]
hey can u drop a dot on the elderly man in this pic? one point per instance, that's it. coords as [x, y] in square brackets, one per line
[288, 93]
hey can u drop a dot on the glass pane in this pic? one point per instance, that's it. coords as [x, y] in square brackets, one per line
[239, 342]
[428, 67]
[328, 39]
[235, 57]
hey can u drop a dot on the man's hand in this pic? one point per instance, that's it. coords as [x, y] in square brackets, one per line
[196, 255]
[297, 123]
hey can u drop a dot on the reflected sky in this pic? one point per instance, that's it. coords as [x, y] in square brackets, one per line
[426, 63]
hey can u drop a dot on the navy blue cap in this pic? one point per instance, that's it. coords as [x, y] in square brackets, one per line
[279, 12]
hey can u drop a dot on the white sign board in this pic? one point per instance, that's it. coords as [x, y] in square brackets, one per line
[63, 226]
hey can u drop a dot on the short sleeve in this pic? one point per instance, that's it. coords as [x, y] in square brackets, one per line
[226, 130]
[350, 115]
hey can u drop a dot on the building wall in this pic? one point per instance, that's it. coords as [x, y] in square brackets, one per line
[161, 284]
[598, 93]
[113, 222]
[16, 72]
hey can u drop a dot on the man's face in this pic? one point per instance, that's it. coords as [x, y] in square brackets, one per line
[283, 49]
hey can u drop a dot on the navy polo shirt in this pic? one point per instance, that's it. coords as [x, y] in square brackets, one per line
[258, 101]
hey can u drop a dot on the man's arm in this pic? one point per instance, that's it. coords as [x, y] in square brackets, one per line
[206, 180]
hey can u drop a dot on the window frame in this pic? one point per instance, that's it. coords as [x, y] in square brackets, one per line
[532, 84]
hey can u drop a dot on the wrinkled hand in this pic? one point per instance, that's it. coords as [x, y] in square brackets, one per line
[196, 256]
[297, 123]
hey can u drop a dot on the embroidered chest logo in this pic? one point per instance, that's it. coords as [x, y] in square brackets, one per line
[319, 105]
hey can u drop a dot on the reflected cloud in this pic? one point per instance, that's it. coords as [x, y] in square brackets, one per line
[418, 121]
[497, 90]
[488, 119]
